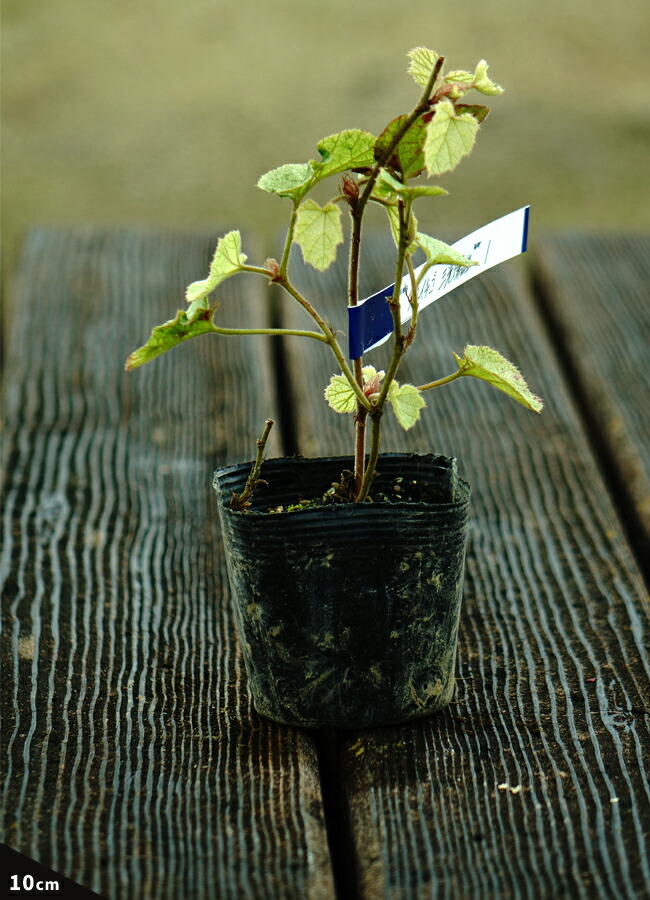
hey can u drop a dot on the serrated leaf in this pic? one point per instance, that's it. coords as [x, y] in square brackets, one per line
[478, 81]
[369, 372]
[168, 335]
[438, 253]
[406, 191]
[450, 137]
[291, 180]
[227, 260]
[409, 155]
[352, 149]
[318, 232]
[484, 84]
[407, 402]
[460, 76]
[340, 396]
[490, 366]
[422, 61]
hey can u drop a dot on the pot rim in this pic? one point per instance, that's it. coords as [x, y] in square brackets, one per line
[341, 508]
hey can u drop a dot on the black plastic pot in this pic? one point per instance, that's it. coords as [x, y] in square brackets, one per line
[347, 614]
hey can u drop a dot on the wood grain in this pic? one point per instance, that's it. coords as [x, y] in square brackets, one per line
[595, 294]
[534, 782]
[131, 759]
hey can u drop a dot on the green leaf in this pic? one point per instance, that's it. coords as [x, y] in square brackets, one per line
[407, 402]
[389, 181]
[484, 84]
[227, 260]
[478, 112]
[438, 253]
[460, 76]
[450, 137]
[352, 149]
[169, 334]
[404, 190]
[369, 372]
[409, 155]
[318, 232]
[478, 81]
[340, 396]
[422, 61]
[291, 180]
[393, 220]
[488, 364]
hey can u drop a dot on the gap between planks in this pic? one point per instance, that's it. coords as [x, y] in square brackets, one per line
[604, 453]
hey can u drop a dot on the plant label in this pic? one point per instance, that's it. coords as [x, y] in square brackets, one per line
[370, 323]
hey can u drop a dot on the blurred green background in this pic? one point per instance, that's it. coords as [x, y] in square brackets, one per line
[167, 112]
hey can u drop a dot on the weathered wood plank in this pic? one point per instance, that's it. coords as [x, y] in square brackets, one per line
[132, 761]
[595, 289]
[534, 783]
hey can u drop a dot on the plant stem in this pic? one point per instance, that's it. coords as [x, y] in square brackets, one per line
[399, 344]
[258, 270]
[359, 430]
[440, 381]
[330, 339]
[241, 501]
[353, 277]
[238, 332]
[372, 458]
[289, 240]
[399, 348]
[414, 300]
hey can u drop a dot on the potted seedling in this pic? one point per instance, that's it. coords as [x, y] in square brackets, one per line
[347, 574]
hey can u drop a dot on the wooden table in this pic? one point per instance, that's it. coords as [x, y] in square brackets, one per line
[132, 761]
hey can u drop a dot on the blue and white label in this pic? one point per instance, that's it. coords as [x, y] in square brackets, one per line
[370, 322]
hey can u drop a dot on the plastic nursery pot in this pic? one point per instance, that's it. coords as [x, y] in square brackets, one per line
[347, 613]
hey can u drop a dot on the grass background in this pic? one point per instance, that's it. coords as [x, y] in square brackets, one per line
[117, 111]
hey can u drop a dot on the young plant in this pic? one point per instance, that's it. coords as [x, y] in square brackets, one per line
[433, 138]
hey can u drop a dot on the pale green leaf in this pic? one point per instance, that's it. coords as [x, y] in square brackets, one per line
[484, 84]
[422, 61]
[352, 149]
[423, 190]
[459, 77]
[460, 82]
[227, 260]
[392, 185]
[369, 372]
[169, 334]
[479, 81]
[450, 137]
[340, 396]
[407, 402]
[318, 232]
[489, 365]
[393, 220]
[438, 253]
[291, 180]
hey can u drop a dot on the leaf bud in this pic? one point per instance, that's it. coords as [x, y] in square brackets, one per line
[273, 267]
[350, 189]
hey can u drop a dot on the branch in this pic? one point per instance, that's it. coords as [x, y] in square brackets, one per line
[241, 501]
